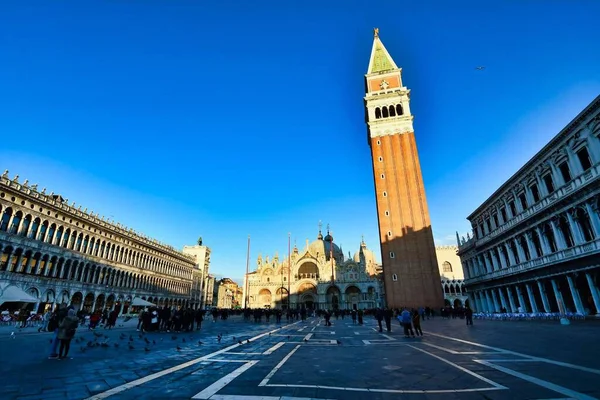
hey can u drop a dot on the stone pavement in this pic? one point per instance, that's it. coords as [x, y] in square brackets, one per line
[491, 360]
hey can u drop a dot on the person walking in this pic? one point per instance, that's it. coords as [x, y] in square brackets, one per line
[57, 317]
[387, 316]
[379, 318]
[66, 331]
[416, 321]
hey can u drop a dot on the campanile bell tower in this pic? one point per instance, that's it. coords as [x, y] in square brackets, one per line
[410, 269]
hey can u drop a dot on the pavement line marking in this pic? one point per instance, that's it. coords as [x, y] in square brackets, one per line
[491, 382]
[272, 349]
[366, 341]
[546, 360]
[388, 337]
[396, 391]
[356, 333]
[243, 354]
[303, 328]
[224, 381]
[238, 397]
[307, 337]
[333, 341]
[225, 361]
[460, 352]
[314, 327]
[545, 384]
[270, 374]
[141, 381]
[332, 332]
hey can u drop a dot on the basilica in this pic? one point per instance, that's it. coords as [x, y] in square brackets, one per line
[317, 277]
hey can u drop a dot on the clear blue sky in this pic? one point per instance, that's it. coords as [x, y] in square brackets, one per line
[229, 118]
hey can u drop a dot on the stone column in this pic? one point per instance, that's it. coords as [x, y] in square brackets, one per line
[558, 295]
[17, 264]
[560, 240]
[495, 299]
[511, 256]
[519, 251]
[544, 296]
[593, 144]
[489, 303]
[495, 265]
[501, 251]
[522, 302]
[574, 226]
[36, 267]
[511, 301]
[594, 219]
[575, 294]
[488, 265]
[594, 290]
[477, 304]
[532, 250]
[531, 298]
[543, 241]
[502, 299]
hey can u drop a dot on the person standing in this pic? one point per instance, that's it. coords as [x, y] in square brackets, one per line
[469, 316]
[55, 320]
[406, 319]
[66, 331]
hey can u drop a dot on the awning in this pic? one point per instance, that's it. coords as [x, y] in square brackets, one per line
[141, 302]
[14, 294]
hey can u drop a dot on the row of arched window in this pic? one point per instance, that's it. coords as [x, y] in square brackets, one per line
[569, 229]
[389, 111]
[48, 232]
[29, 262]
[562, 173]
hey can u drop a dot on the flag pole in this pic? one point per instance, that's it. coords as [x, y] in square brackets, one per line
[289, 269]
[247, 269]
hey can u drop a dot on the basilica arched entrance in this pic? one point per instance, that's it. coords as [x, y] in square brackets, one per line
[352, 297]
[308, 301]
[333, 298]
[307, 293]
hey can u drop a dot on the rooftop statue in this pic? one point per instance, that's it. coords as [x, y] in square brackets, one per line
[5, 174]
[200, 241]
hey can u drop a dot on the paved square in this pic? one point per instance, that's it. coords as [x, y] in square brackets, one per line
[491, 360]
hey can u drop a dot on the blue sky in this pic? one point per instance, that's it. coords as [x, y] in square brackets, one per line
[229, 118]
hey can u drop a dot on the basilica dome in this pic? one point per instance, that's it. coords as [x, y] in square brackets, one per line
[323, 246]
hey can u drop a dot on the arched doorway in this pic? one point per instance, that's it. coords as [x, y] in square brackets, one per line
[99, 303]
[333, 298]
[88, 302]
[308, 301]
[352, 297]
[457, 303]
[264, 298]
[77, 300]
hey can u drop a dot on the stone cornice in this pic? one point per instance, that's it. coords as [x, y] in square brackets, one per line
[550, 151]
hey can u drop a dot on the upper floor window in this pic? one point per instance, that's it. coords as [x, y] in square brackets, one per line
[535, 192]
[488, 225]
[565, 171]
[548, 182]
[446, 267]
[523, 201]
[496, 224]
[584, 158]
[399, 110]
[513, 208]
[377, 113]
[503, 214]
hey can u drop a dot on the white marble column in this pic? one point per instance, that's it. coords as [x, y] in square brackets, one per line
[501, 251]
[487, 262]
[575, 295]
[520, 251]
[544, 297]
[532, 250]
[531, 296]
[511, 256]
[495, 265]
[594, 290]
